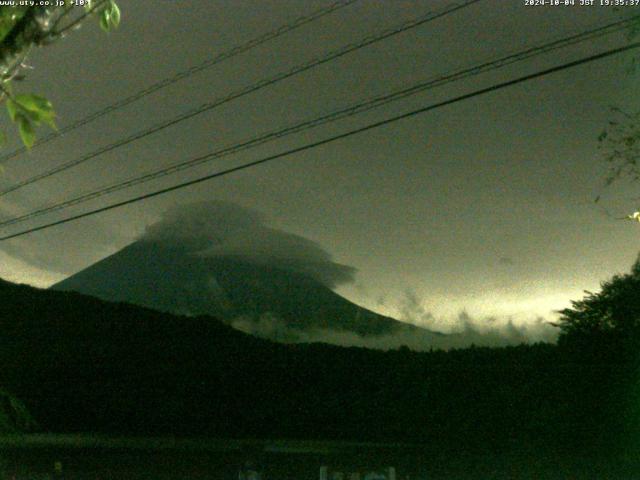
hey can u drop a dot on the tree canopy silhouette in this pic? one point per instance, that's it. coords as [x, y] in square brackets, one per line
[611, 316]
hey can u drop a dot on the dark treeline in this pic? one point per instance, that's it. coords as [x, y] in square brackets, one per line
[85, 365]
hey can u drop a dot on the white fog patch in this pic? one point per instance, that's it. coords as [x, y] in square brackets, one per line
[479, 329]
[271, 327]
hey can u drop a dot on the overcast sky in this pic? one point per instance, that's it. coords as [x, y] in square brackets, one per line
[483, 206]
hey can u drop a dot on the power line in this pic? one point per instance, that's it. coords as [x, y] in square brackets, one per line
[351, 110]
[387, 33]
[226, 55]
[332, 139]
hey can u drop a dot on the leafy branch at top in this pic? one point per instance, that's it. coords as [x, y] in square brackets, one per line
[23, 28]
[29, 111]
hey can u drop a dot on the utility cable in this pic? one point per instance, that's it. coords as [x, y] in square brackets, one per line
[221, 57]
[242, 92]
[360, 107]
[331, 139]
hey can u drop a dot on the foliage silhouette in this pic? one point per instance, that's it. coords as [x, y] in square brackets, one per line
[85, 365]
[23, 27]
[607, 322]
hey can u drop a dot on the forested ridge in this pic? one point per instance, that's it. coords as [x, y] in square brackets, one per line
[80, 364]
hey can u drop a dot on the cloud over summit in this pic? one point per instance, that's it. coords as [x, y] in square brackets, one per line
[222, 229]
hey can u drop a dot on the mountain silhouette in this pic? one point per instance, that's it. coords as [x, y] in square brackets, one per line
[234, 289]
[81, 364]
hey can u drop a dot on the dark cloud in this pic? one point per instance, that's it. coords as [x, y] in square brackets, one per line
[506, 261]
[223, 229]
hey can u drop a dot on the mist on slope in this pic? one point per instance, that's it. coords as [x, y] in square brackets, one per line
[221, 229]
[468, 331]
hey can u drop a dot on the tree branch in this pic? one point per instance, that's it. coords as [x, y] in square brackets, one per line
[78, 20]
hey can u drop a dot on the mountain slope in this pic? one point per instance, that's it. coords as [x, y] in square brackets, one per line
[170, 279]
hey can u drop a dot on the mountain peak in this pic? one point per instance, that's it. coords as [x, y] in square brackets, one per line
[240, 291]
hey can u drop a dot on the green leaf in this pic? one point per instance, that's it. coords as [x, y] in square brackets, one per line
[9, 16]
[3, 141]
[110, 16]
[34, 102]
[12, 108]
[105, 20]
[38, 109]
[51, 122]
[115, 14]
[27, 133]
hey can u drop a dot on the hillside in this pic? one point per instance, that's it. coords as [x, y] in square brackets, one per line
[168, 278]
[85, 365]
